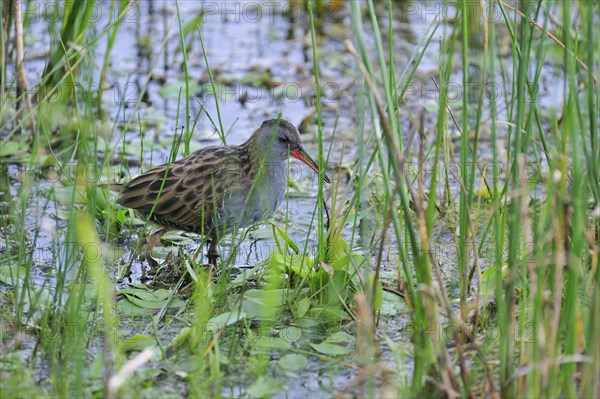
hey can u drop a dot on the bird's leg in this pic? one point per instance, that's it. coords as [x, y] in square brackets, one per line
[152, 242]
[213, 252]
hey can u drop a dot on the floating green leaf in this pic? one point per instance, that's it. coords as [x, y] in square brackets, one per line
[292, 362]
[331, 349]
[227, 318]
[264, 387]
[9, 273]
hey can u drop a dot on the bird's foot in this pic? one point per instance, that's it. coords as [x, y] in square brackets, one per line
[154, 239]
[213, 253]
[147, 256]
[213, 259]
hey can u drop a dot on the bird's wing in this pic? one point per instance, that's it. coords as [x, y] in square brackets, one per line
[187, 192]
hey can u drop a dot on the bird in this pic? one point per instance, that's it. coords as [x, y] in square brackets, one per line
[218, 189]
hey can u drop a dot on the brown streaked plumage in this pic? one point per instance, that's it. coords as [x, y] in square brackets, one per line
[218, 189]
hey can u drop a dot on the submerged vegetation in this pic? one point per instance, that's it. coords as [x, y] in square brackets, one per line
[454, 254]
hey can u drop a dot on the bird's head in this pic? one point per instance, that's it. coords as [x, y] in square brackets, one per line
[277, 139]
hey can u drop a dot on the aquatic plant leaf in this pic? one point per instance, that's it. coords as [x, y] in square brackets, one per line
[291, 333]
[264, 387]
[179, 238]
[331, 349]
[488, 281]
[268, 343]
[143, 292]
[392, 304]
[150, 300]
[302, 307]
[257, 78]
[286, 238]
[227, 318]
[348, 261]
[181, 338]
[64, 195]
[337, 248]
[292, 362]
[298, 264]
[331, 289]
[13, 148]
[171, 91]
[262, 303]
[339, 337]
[9, 273]
[328, 314]
[262, 233]
[245, 275]
[127, 308]
[138, 342]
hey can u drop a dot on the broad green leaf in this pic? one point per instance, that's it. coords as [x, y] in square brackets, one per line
[245, 275]
[339, 337]
[292, 362]
[264, 387]
[291, 333]
[125, 307]
[145, 298]
[331, 349]
[306, 323]
[264, 232]
[155, 305]
[337, 247]
[392, 304]
[488, 281]
[262, 303]
[227, 318]
[329, 313]
[331, 289]
[138, 342]
[286, 238]
[298, 264]
[146, 294]
[8, 273]
[12, 148]
[269, 343]
[171, 91]
[64, 195]
[348, 262]
[302, 307]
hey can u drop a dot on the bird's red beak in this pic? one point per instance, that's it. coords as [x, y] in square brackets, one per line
[301, 155]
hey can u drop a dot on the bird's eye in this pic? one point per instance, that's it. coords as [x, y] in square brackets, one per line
[283, 139]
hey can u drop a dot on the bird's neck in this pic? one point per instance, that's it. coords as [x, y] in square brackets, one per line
[261, 167]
